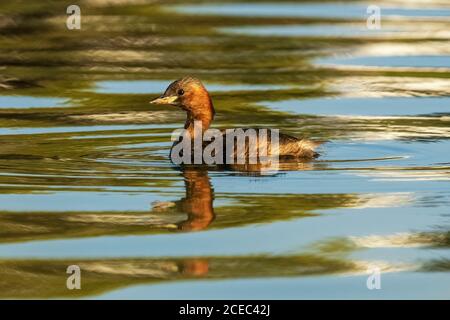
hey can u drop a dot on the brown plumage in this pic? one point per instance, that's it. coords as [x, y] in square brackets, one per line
[190, 95]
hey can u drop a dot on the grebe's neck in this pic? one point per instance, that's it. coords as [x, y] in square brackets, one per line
[204, 116]
[191, 119]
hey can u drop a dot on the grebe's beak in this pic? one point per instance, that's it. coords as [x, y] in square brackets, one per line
[173, 100]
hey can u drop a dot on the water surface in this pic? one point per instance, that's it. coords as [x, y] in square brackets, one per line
[85, 176]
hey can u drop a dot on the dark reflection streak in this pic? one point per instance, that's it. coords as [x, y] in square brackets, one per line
[46, 278]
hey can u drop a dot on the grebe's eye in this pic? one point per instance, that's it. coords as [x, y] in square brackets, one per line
[180, 92]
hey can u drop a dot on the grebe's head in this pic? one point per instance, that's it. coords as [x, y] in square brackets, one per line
[189, 94]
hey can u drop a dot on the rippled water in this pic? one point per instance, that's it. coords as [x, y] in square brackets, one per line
[85, 177]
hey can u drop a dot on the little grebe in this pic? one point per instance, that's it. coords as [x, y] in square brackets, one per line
[190, 95]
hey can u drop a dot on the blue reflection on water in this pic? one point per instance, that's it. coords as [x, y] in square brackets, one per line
[322, 10]
[395, 106]
[423, 61]
[24, 102]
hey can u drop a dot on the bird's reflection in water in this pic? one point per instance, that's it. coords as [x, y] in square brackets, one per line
[198, 202]
[198, 205]
[195, 267]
